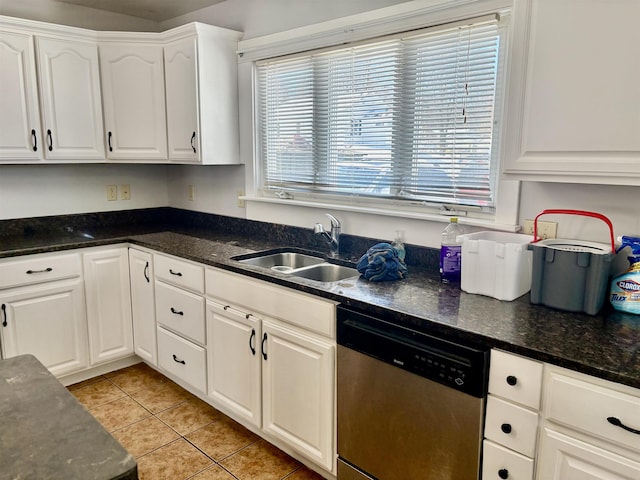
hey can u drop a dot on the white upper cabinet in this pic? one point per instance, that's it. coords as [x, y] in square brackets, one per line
[133, 99]
[202, 94]
[20, 134]
[70, 99]
[573, 105]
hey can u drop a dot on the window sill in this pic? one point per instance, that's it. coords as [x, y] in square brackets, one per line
[389, 212]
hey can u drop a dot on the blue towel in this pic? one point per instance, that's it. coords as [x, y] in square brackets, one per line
[381, 263]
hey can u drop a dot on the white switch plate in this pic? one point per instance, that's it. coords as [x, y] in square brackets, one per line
[545, 229]
[125, 192]
[191, 193]
[112, 193]
[240, 200]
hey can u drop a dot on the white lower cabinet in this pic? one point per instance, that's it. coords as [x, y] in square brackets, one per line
[297, 389]
[143, 309]
[182, 358]
[179, 307]
[234, 361]
[590, 428]
[46, 320]
[268, 365]
[511, 421]
[108, 294]
[565, 458]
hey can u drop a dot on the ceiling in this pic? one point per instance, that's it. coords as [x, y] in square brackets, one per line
[156, 10]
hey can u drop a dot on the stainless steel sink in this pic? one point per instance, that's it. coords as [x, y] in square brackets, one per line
[282, 261]
[327, 272]
[299, 264]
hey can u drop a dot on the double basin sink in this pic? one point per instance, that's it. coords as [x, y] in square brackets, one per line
[299, 264]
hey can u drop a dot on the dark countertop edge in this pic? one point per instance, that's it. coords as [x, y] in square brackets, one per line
[450, 332]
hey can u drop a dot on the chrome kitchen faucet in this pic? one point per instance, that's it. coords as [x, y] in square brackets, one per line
[333, 238]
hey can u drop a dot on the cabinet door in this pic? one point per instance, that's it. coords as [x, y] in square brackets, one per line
[183, 130]
[298, 390]
[573, 97]
[47, 321]
[564, 458]
[143, 305]
[106, 274]
[133, 99]
[20, 135]
[70, 99]
[234, 360]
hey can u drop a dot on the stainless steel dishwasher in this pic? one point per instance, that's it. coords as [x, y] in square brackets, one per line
[410, 405]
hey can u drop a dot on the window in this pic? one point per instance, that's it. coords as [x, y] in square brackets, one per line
[410, 117]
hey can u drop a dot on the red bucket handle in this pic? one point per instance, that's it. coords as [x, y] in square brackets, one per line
[584, 213]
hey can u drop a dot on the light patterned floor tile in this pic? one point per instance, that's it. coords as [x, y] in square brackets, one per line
[98, 393]
[119, 413]
[260, 461]
[145, 436]
[303, 473]
[222, 438]
[189, 416]
[216, 472]
[160, 397]
[137, 377]
[177, 461]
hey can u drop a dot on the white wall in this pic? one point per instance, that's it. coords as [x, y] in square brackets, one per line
[75, 16]
[41, 190]
[262, 17]
[216, 188]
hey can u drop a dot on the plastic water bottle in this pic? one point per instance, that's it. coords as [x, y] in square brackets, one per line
[398, 244]
[451, 253]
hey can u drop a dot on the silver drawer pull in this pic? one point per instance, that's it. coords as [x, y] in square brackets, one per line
[31, 272]
[177, 360]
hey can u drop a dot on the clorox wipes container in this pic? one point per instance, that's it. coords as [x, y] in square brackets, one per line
[625, 288]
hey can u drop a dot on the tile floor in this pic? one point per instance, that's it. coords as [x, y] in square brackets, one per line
[176, 436]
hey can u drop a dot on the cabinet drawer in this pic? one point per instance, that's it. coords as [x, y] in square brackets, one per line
[306, 311]
[180, 273]
[38, 269]
[586, 406]
[184, 359]
[499, 463]
[180, 311]
[515, 378]
[511, 425]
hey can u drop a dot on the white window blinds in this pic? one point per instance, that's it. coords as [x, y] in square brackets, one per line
[408, 117]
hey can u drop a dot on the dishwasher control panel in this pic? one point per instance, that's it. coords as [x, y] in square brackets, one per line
[458, 366]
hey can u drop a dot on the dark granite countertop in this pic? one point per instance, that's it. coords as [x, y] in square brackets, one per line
[48, 434]
[606, 345]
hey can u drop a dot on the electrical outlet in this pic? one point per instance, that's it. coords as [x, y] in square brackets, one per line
[240, 200]
[191, 193]
[112, 193]
[125, 192]
[545, 229]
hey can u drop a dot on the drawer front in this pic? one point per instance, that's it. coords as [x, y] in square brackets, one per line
[186, 360]
[178, 272]
[500, 463]
[302, 310]
[511, 425]
[515, 378]
[587, 406]
[38, 269]
[180, 311]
